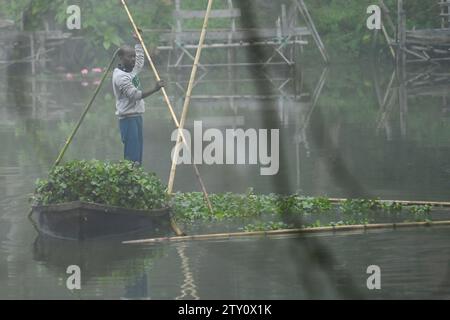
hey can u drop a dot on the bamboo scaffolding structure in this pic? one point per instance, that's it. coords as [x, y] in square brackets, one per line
[388, 40]
[310, 23]
[240, 64]
[289, 232]
[27, 59]
[387, 13]
[83, 115]
[240, 44]
[188, 95]
[169, 105]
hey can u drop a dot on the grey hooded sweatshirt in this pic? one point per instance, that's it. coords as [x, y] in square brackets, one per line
[127, 88]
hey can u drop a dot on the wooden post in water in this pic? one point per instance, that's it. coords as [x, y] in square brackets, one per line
[445, 13]
[401, 66]
[401, 21]
[291, 22]
[33, 54]
[231, 54]
[178, 30]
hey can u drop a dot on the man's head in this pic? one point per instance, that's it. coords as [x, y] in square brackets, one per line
[127, 57]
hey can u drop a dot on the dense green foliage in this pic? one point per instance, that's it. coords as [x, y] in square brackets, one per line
[103, 23]
[341, 23]
[264, 226]
[116, 184]
[190, 207]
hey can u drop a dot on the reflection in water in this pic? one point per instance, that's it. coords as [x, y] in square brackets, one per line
[404, 86]
[301, 125]
[100, 262]
[188, 288]
[138, 289]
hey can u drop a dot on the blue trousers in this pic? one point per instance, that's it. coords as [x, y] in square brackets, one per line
[132, 138]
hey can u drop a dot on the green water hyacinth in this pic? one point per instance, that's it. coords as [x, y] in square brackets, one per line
[117, 184]
[266, 226]
[190, 206]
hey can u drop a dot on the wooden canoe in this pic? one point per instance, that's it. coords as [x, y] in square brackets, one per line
[81, 221]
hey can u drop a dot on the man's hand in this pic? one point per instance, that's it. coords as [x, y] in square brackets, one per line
[161, 83]
[158, 86]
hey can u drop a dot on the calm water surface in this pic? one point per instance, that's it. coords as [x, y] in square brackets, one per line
[343, 133]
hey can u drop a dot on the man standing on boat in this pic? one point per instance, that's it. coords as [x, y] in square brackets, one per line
[129, 99]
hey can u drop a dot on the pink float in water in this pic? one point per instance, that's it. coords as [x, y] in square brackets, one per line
[96, 70]
[84, 71]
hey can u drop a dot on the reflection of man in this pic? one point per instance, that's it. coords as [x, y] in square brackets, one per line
[129, 99]
[137, 289]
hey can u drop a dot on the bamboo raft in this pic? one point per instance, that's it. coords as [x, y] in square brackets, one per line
[302, 231]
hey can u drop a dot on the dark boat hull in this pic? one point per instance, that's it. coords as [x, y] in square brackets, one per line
[82, 221]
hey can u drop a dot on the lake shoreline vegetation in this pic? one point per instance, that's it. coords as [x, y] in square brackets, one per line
[124, 185]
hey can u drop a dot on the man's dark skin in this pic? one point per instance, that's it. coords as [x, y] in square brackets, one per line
[128, 58]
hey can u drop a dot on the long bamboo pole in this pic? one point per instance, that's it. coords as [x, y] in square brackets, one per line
[169, 105]
[290, 232]
[188, 94]
[83, 115]
[403, 202]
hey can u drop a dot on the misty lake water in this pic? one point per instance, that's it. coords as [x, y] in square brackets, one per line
[343, 133]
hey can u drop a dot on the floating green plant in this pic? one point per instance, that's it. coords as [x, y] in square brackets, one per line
[360, 205]
[191, 206]
[306, 205]
[315, 224]
[116, 184]
[391, 206]
[420, 213]
[266, 226]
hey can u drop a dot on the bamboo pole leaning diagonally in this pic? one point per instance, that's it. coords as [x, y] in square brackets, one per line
[86, 109]
[83, 115]
[188, 94]
[174, 117]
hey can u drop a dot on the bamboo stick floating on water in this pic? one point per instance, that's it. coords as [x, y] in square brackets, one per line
[287, 232]
[404, 202]
[169, 105]
[188, 95]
